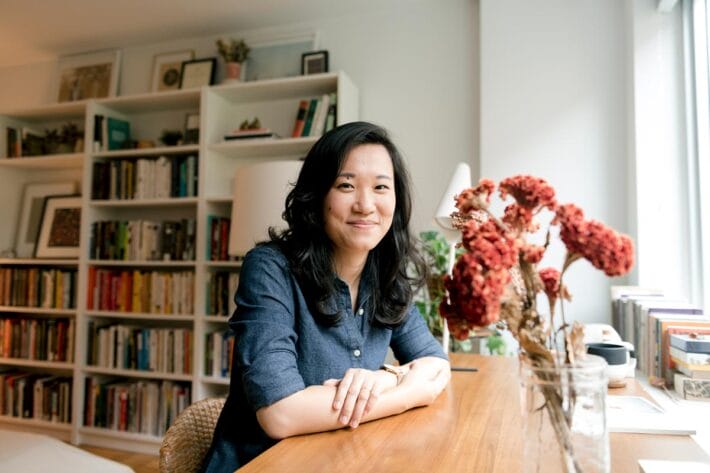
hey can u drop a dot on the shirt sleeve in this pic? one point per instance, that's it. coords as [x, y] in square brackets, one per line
[412, 339]
[265, 339]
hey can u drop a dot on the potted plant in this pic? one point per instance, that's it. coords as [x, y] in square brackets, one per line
[234, 52]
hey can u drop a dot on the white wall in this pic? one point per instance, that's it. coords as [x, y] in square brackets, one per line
[413, 61]
[553, 104]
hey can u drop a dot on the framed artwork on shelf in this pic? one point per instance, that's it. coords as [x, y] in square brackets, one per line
[198, 72]
[88, 76]
[274, 57]
[60, 228]
[167, 68]
[31, 213]
[314, 62]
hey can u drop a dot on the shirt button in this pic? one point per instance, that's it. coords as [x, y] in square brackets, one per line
[356, 352]
[360, 311]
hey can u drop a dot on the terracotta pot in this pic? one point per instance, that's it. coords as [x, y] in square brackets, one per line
[234, 71]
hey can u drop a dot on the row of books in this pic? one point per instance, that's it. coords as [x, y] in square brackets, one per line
[154, 292]
[111, 133]
[35, 396]
[164, 350]
[38, 287]
[221, 287]
[218, 238]
[145, 178]
[143, 240]
[219, 348]
[690, 357]
[37, 339]
[145, 407]
[315, 116]
[648, 318]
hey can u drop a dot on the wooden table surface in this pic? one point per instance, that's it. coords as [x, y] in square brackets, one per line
[474, 426]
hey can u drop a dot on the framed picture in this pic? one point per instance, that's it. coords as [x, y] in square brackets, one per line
[272, 58]
[314, 62]
[198, 72]
[87, 76]
[31, 213]
[167, 68]
[192, 129]
[59, 231]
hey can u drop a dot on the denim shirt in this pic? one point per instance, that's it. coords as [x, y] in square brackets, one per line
[280, 349]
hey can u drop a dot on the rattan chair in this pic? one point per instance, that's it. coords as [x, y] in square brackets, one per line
[188, 439]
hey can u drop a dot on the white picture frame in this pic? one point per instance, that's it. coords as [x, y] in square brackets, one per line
[87, 76]
[60, 230]
[277, 57]
[31, 213]
[167, 68]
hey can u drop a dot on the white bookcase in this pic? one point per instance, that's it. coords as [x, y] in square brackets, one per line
[221, 109]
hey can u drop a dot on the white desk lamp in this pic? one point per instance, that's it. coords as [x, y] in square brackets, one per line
[460, 180]
[259, 196]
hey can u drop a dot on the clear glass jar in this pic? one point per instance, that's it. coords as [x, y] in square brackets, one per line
[564, 417]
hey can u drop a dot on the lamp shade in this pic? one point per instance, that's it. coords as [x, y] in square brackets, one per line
[259, 198]
[460, 180]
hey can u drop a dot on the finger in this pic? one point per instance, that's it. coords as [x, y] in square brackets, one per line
[361, 402]
[372, 400]
[342, 391]
[331, 382]
[350, 399]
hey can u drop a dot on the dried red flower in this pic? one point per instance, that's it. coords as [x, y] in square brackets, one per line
[475, 198]
[492, 248]
[519, 218]
[530, 192]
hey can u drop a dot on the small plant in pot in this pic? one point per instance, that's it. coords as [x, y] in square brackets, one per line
[234, 52]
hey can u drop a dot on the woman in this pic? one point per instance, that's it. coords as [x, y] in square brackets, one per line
[318, 306]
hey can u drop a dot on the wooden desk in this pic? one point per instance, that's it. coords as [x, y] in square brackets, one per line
[474, 426]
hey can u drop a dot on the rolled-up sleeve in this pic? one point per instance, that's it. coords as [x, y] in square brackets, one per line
[265, 350]
[412, 339]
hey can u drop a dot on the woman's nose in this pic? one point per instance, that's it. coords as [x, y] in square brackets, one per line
[364, 203]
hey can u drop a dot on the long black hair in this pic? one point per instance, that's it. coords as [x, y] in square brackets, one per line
[394, 267]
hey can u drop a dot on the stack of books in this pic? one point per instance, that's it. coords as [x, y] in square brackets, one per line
[255, 133]
[315, 116]
[690, 356]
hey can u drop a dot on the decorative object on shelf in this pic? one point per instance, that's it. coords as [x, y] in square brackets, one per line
[192, 129]
[31, 213]
[255, 124]
[497, 280]
[258, 202]
[234, 52]
[198, 73]
[69, 139]
[60, 228]
[314, 62]
[87, 76]
[171, 137]
[167, 68]
[251, 129]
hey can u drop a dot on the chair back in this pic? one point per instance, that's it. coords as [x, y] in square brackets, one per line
[186, 442]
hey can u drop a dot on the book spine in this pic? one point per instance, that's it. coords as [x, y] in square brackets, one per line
[309, 117]
[300, 118]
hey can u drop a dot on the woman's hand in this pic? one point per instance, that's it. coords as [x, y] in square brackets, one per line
[357, 393]
[426, 378]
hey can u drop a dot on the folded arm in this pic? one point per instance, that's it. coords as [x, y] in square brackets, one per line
[360, 396]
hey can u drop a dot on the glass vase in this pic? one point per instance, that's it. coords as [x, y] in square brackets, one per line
[564, 417]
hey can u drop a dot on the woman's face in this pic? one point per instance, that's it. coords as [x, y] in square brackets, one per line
[359, 206]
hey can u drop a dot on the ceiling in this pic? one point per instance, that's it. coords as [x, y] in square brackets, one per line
[39, 30]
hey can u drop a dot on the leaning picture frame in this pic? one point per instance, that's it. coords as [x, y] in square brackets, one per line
[314, 62]
[87, 76]
[167, 68]
[60, 229]
[31, 213]
[198, 72]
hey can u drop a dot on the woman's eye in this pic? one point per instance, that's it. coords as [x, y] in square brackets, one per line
[345, 185]
[382, 187]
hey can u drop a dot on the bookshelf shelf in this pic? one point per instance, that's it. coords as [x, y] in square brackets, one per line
[56, 161]
[145, 152]
[37, 262]
[137, 374]
[139, 316]
[55, 366]
[146, 203]
[142, 263]
[208, 169]
[277, 147]
[215, 380]
[38, 423]
[39, 310]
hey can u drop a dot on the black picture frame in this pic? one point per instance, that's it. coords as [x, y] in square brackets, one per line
[60, 227]
[198, 72]
[314, 62]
